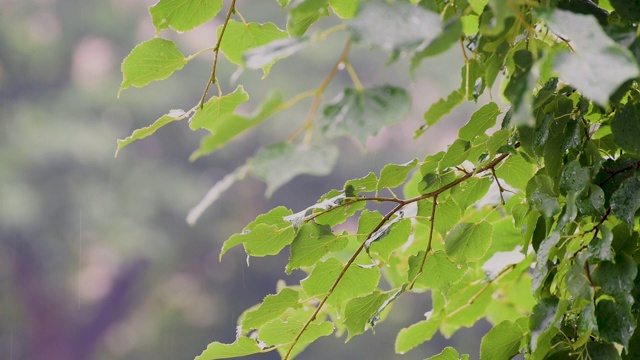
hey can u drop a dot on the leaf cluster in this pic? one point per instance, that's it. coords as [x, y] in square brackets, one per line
[549, 181]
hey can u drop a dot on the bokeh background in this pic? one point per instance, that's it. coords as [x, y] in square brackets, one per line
[96, 258]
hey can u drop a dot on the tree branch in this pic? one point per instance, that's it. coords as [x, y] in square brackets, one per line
[216, 54]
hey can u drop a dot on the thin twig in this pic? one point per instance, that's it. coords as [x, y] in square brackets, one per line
[216, 54]
[319, 92]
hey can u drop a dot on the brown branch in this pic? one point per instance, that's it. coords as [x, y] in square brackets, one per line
[216, 54]
[340, 276]
[401, 203]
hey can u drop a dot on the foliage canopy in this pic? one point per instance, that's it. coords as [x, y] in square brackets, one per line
[561, 150]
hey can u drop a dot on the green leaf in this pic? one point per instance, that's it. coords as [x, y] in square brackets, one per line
[542, 256]
[312, 243]
[518, 88]
[543, 323]
[239, 38]
[447, 353]
[615, 320]
[574, 178]
[360, 312]
[357, 281]
[345, 9]
[173, 115]
[439, 272]
[448, 214]
[456, 154]
[626, 128]
[228, 126]
[515, 171]
[600, 247]
[183, 15]
[149, 61]
[432, 182]
[368, 183]
[470, 191]
[266, 240]
[280, 332]
[577, 282]
[393, 175]
[481, 120]
[466, 304]
[385, 25]
[439, 109]
[625, 201]
[241, 347]
[277, 164]
[268, 226]
[362, 113]
[305, 14]
[272, 307]
[468, 242]
[596, 65]
[416, 334]
[266, 55]
[540, 193]
[217, 109]
[389, 238]
[502, 342]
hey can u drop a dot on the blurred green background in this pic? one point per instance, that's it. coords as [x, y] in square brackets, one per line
[96, 258]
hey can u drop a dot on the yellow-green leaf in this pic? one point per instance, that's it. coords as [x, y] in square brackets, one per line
[183, 15]
[149, 61]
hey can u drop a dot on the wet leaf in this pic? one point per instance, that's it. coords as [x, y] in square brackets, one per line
[362, 113]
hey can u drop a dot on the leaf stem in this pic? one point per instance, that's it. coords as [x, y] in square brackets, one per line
[319, 92]
[353, 75]
[216, 51]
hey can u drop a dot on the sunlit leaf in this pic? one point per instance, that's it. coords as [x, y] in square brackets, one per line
[312, 242]
[173, 115]
[360, 311]
[439, 272]
[416, 334]
[468, 242]
[217, 109]
[239, 38]
[441, 108]
[280, 332]
[394, 175]
[149, 61]
[304, 14]
[448, 353]
[502, 342]
[241, 347]
[481, 120]
[346, 9]
[183, 15]
[272, 307]
[357, 281]
[271, 224]
[228, 126]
